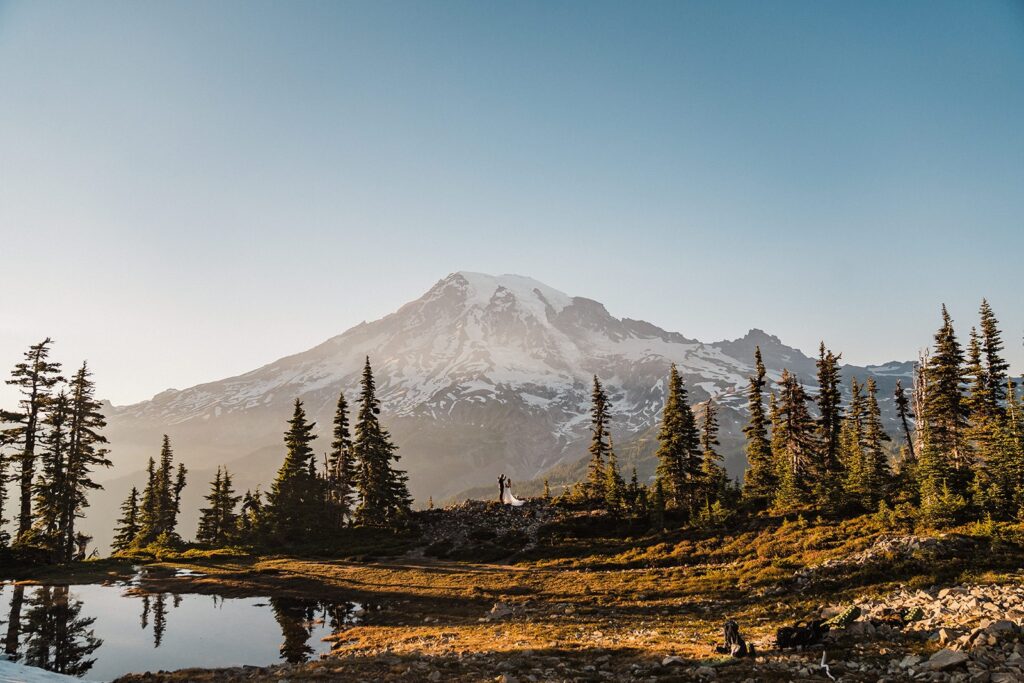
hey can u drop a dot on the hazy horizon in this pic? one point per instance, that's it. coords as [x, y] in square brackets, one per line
[190, 191]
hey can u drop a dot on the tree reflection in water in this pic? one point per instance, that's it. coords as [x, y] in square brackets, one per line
[297, 617]
[48, 631]
[45, 626]
[155, 605]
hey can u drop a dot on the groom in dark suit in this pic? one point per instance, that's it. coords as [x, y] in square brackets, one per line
[501, 489]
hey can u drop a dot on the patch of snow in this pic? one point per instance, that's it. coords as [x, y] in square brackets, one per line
[13, 672]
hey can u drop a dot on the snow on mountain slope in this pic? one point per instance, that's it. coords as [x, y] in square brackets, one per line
[482, 374]
[471, 337]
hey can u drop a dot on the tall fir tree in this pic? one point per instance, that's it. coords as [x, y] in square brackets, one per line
[129, 524]
[251, 517]
[795, 444]
[86, 450]
[51, 485]
[149, 522]
[382, 490]
[599, 446]
[713, 475]
[904, 414]
[341, 468]
[294, 505]
[977, 394]
[161, 499]
[877, 472]
[35, 377]
[828, 482]
[851, 448]
[830, 410]
[944, 458]
[678, 448]
[4, 537]
[760, 481]
[218, 522]
[996, 367]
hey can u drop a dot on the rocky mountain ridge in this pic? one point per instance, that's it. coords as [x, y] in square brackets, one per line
[482, 374]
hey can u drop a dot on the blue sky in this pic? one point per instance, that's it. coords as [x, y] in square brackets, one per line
[189, 190]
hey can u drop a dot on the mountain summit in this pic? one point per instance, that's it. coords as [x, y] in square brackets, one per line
[482, 374]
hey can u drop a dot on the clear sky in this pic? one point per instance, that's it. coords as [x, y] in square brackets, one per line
[190, 190]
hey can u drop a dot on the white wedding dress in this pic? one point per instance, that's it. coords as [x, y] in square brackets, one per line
[509, 499]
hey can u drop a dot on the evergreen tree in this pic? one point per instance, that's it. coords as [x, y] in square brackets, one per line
[341, 470]
[251, 517]
[294, 507]
[149, 521]
[904, 415]
[679, 455]
[795, 444]
[614, 488]
[635, 497]
[596, 475]
[4, 537]
[760, 480]
[658, 506]
[161, 499]
[851, 447]
[383, 493]
[1014, 417]
[946, 411]
[998, 488]
[876, 471]
[85, 451]
[830, 411]
[51, 485]
[977, 396]
[996, 366]
[713, 474]
[547, 490]
[128, 525]
[208, 526]
[943, 460]
[34, 378]
[218, 523]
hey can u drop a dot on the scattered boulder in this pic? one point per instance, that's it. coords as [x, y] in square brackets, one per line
[946, 659]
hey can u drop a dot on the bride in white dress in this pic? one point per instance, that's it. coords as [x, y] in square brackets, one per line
[508, 498]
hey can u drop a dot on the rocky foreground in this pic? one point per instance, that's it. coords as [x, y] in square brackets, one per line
[517, 595]
[959, 634]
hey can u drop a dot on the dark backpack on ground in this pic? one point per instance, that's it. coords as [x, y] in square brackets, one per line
[801, 634]
[734, 643]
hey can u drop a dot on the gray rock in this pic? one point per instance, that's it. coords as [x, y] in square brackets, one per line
[909, 661]
[946, 659]
[1001, 627]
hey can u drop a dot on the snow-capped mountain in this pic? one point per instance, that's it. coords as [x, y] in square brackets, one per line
[482, 374]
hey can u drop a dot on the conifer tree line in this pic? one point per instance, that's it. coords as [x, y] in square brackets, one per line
[356, 484]
[957, 454]
[51, 444]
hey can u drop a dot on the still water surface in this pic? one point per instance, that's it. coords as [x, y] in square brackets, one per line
[99, 632]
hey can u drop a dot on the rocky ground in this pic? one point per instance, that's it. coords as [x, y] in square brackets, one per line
[482, 529]
[561, 595]
[964, 633]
